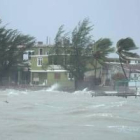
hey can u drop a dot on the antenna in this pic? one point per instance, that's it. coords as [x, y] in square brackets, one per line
[47, 40]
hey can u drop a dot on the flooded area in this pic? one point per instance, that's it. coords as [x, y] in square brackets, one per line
[53, 115]
[70, 70]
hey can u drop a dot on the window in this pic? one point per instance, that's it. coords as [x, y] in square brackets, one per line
[70, 76]
[134, 76]
[39, 61]
[25, 56]
[29, 53]
[57, 76]
[40, 51]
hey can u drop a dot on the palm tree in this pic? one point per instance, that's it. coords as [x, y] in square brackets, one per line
[12, 46]
[124, 46]
[100, 50]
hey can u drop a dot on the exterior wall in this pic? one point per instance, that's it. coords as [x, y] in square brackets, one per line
[45, 50]
[135, 76]
[42, 77]
[134, 62]
[48, 79]
[34, 62]
[134, 84]
[63, 81]
[92, 73]
[114, 70]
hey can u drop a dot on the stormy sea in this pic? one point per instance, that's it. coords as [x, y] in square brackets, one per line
[49, 114]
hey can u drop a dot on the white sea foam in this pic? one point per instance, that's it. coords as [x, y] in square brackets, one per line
[96, 106]
[54, 87]
[89, 125]
[100, 115]
[125, 128]
[12, 92]
[85, 91]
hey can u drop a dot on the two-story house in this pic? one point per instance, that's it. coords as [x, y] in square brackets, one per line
[44, 74]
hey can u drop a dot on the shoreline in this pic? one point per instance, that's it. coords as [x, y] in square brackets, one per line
[94, 93]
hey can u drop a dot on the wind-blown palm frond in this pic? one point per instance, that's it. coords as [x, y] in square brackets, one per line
[100, 50]
[124, 46]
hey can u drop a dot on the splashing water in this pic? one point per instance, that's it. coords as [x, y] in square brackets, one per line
[11, 92]
[85, 91]
[54, 87]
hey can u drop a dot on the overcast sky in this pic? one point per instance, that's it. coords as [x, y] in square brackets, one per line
[114, 19]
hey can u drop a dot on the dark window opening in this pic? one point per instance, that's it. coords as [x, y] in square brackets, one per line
[57, 76]
[40, 51]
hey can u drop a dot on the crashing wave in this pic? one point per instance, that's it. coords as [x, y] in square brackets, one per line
[54, 87]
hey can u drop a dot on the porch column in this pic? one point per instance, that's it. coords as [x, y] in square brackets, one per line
[18, 77]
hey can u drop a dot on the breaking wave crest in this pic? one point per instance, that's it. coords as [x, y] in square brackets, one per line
[13, 92]
[54, 87]
[85, 91]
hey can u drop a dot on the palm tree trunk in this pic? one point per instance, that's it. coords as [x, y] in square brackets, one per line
[122, 68]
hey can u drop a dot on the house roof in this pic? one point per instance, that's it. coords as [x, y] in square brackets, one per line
[42, 46]
[55, 67]
[134, 68]
[52, 68]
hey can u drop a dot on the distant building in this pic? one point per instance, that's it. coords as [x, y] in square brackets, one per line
[132, 70]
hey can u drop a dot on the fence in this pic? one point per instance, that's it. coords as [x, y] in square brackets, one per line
[128, 86]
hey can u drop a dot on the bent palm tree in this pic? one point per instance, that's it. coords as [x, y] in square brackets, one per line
[124, 46]
[100, 50]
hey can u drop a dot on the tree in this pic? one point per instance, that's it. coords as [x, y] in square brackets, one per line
[76, 51]
[71, 49]
[124, 46]
[100, 50]
[81, 39]
[66, 49]
[12, 46]
[57, 49]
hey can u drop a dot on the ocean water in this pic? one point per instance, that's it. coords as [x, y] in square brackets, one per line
[49, 114]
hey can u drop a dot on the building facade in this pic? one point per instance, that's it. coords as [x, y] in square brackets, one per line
[44, 74]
